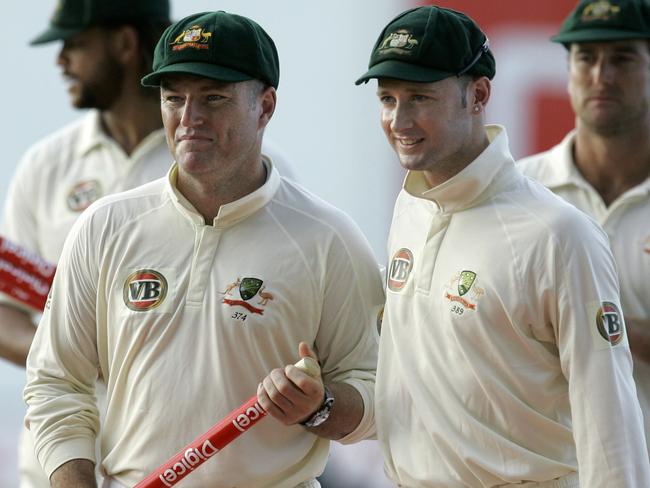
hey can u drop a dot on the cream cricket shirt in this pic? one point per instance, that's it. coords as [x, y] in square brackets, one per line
[55, 181]
[627, 224]
[63, 174]
[503, 339]
[185, 319]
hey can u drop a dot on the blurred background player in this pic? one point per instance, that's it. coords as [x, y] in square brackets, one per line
[107, 46]
[603, 165]
[198, 284]
[503, 356]
[118, 144]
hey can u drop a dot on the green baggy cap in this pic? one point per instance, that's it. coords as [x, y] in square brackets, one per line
[603, 20]
[71, 17]
[428, 44]
[217, 45]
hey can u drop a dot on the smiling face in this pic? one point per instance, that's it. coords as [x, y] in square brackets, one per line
[214, 126]
[609, 84]
[431, 126]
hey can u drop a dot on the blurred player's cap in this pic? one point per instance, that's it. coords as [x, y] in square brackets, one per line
[428, 44]
[216, 45]
[602, 20]
[71, 17]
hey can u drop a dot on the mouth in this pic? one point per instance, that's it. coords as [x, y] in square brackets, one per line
[601, 99]
[193, 138]
[407, 142]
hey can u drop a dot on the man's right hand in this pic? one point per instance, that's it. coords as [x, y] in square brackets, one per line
[78, 473]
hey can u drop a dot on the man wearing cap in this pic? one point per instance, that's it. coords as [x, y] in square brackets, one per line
[503, 357]
[118, 144]
[603, 165]
[186, 292]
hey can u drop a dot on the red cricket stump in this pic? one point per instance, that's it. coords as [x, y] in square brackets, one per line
[219, 436]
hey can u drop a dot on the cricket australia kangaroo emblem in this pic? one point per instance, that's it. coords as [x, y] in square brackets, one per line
[247, 289]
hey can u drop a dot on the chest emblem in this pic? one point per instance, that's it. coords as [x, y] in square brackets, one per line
[463, 292]
[646, 245]
[400, 269]
[248, 289]
[83, 194]
[144, 290]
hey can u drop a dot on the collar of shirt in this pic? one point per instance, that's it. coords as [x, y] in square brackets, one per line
[474, 183]
[561, 170]
[93, 136]
[233, 212]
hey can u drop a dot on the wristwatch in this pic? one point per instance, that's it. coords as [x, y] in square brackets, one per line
[323, 412]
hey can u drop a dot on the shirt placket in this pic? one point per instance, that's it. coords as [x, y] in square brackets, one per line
[205, 249]
[426, 268]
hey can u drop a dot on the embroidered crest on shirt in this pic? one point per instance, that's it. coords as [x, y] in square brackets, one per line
[400, 269]
[646, 245]
[83, 194]
[609, 323]
[463, 292]
[247, 289]
[144, 290]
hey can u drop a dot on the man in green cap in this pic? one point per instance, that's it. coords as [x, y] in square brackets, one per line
[107, 46]
[503, 357]
[193, 292]
[603, 165]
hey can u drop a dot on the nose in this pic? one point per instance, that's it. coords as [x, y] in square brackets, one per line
[61, 57]
[192, 113]
[603, 71]
[400, 117]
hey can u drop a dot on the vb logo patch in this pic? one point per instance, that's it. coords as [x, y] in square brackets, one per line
[463, 292]
[145, 290]
[247, 289]
[83, 194]
[609, 323]
[400, 269]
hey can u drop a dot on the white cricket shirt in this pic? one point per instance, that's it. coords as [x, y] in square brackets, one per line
[502, 338]
[64, 173]
[184, 319]
[627, 224]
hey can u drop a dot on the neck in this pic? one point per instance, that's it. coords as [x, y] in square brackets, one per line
[208, 192]
[132, 118]
[614, 163]
[463, 158]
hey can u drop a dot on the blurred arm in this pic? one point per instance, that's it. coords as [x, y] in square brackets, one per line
[639, 336]
[16, 334]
